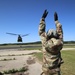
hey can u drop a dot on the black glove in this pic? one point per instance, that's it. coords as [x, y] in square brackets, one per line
[45, 14]
[55, 16]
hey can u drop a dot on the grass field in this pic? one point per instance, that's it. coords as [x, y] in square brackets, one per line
[68, 68]
[34, 46]
[69, 46]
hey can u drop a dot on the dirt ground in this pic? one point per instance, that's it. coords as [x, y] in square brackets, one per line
[19, 59]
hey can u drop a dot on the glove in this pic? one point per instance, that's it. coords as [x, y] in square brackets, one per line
[45, 14]
[55, 16]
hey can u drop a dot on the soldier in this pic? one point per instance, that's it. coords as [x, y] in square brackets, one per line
[52, 43]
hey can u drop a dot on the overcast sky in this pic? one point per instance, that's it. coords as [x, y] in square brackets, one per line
[23, 17]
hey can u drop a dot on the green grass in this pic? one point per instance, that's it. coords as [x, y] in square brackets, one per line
[33, 46]
[39, 56]
[5, 59]
[69, 46]
[38, 48]
[68, 68]
[23, 69]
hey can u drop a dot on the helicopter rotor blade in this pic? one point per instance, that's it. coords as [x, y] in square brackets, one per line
[11, 33]
[25, 35]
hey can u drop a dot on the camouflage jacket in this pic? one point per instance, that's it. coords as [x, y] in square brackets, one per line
[44, 37]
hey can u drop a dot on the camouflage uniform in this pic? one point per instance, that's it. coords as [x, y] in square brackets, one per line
[51, 49]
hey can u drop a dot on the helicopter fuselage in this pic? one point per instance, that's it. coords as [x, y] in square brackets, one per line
[19, 38]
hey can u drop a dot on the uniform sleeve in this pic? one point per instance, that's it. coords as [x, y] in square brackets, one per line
[59, 30]
[42, 32]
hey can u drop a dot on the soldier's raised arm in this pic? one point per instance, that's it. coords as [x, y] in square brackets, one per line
[58, 27]
[42, 26]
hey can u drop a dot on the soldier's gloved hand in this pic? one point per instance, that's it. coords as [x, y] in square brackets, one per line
[55, 16]
[45, 14]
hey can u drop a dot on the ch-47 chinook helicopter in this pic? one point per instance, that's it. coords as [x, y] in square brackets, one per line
[19, 36]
